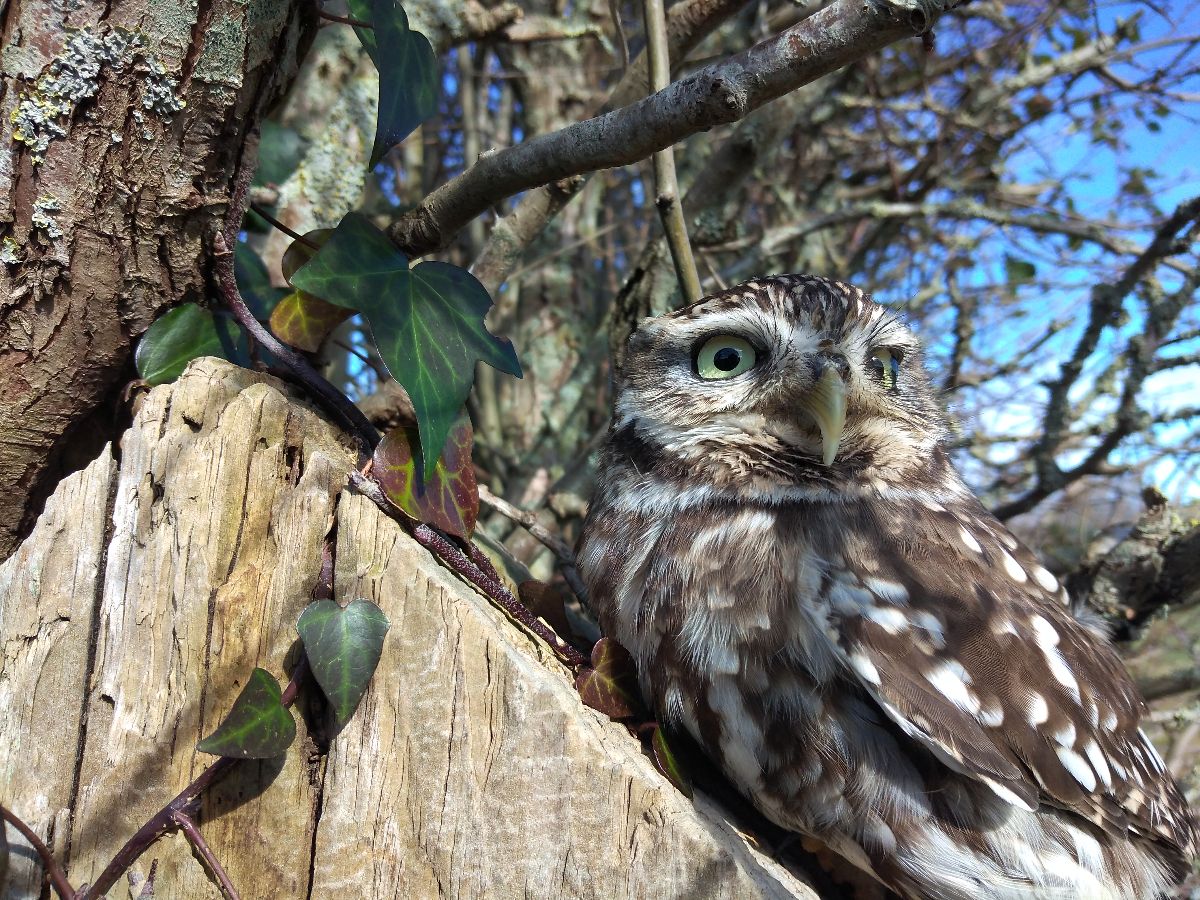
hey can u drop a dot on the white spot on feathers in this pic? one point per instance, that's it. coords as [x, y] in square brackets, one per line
[950, 679]
[1011, 567]
[1043, 577]
[969, 541]
[865, 668]
[1038, 711]
[1078, 767]
[1047, 639]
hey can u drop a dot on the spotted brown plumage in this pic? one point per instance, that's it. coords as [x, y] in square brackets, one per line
[811, 591]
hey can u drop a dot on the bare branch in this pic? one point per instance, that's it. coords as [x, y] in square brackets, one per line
[666, 185]
[1106, 303]
[717, 94]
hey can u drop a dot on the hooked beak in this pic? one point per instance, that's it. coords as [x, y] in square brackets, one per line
[827, 404]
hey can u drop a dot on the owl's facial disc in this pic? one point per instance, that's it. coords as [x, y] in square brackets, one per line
[826, 403]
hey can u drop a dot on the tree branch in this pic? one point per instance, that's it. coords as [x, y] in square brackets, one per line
[717, 94]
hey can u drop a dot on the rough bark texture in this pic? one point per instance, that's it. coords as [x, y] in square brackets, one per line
[111, 188]
[152, 586]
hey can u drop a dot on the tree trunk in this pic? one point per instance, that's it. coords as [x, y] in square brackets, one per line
[125, 123]
[151, 587]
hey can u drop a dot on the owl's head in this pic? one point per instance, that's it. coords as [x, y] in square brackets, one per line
[792, 379]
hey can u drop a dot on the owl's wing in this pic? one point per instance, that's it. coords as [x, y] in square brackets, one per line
[967, 644]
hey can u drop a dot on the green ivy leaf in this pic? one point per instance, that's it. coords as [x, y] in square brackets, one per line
[258, 727]
[448, 498]
[343, 645]
[361, 11]
[427, 322]
[182, 334]
[190, 331]
[301, 251]
[668, 763]
[280, 150]
[611, 685]
[408, 71]
[1018, 271]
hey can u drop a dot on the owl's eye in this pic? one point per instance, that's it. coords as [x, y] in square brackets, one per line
[885, 365]
[724, 356]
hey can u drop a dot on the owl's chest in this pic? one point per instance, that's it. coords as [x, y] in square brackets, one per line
[717, 591]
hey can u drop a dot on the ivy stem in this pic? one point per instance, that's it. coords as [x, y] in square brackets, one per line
[57, 878]
[276, 224]
[555, 544]
[473, 567]
[187, 825]
[185, 802]
[337, 403]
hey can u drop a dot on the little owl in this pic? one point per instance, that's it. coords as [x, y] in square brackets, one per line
[812, 593]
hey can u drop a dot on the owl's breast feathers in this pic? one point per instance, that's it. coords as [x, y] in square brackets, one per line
[861, 664]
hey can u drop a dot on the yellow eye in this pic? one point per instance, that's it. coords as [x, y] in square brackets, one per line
[886, 366]
[724, 356]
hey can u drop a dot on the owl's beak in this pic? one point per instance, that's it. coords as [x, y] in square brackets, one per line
[827, 404]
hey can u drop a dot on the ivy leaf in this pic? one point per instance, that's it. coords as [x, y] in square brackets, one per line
[301, 251]
[611, 685]
[343, 645]
[182, 334]
[1018, 271]
[427, 322]
[667, 762]
[304, 321]
[408, 71]
[300, 319]
[361, 11]
[280, 150]
[190, 331]
[448, 498]
[258, 727]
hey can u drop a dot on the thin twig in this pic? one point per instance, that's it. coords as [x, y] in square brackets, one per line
[187, 825]
[374, 364]
[556, 545]
[476, 573]
[57, 878]
[275, 223]
[666, 185]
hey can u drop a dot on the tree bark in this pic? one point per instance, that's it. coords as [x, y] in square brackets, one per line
[151, 587]
[124, 124]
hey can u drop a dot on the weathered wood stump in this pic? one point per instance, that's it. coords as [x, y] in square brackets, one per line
[158, 577]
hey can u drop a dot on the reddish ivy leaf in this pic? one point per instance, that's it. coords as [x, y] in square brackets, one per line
[448, 498]
[668, 763]
[300, 319]
[304, 321]
[611, 685]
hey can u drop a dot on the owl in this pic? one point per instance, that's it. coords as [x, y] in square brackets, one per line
[811, 592]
